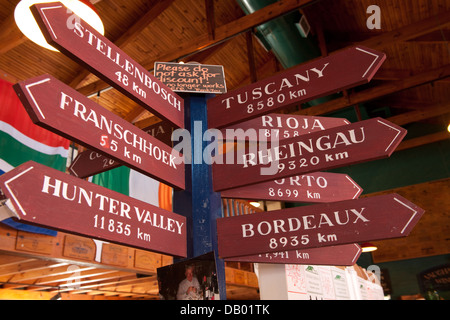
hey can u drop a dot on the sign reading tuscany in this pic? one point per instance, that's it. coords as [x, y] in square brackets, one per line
[54, 199]
[341, 70]
[82, 43]
[61, 109]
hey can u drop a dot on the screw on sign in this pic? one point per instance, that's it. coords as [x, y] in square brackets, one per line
[321, 225]
[55, 106]
[332, 148]
[82, 43]
[50, 198]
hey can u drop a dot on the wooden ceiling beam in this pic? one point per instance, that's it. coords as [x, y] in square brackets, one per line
[377, 92]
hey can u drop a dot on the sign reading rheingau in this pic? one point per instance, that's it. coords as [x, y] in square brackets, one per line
[50, 198]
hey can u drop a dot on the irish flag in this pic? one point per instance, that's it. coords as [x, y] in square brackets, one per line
[21, 140]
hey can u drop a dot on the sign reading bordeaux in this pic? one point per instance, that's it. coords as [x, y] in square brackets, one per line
[54, 199]
[367, 219]
[79, 41]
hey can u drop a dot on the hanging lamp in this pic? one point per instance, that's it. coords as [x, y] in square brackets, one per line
[28, 26]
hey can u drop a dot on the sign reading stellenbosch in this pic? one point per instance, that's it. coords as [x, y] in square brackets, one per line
[79, 41]
[326, 149]
[341, 70]
[321, 225]
[61, 109]
[53, 199]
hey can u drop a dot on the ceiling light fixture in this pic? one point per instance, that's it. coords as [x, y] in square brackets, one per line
[255, 204]
[368, 247]
[28, 26]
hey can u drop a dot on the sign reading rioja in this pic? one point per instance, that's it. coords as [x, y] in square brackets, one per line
[342, 70]
[61, 109]
[79, 41]
[372, 218]
[51, 198]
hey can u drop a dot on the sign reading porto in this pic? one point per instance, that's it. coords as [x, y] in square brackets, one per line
[61, 109]
[341, 70]
[79, 41]
[326, 149]
[321, 225]
[53, 199]
[313, 187]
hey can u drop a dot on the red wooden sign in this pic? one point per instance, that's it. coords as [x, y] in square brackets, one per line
[53, 199]
[61, 109]
[282, 126]
[82, 43]
[341, 70]
[350, 144]
[90, 162]
[314, 187]
[343, 255]
[321, 225]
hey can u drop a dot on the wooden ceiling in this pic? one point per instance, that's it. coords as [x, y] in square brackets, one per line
[413, 82]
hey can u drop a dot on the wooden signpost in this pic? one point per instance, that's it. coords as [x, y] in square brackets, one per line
[345, 145]
[82, 43]
[367, 219]
[341, 70]
[54, 199]
[283, 126]
[313, 187]
[343, 255]
[61, 109]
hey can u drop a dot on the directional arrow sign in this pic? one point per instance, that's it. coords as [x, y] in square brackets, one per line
[350, 221]
[61, 109]
[89, 163]
[350, 144]
[281, 126]
[53, 199]
[314, 187]
[82, 43]
[343, 255]
[344, 69]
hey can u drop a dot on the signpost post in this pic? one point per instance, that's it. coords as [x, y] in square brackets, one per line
[54, 199]
[61, 109]
[367, 219]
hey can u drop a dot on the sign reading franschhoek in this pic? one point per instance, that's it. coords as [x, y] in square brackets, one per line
[59, 108]
[79, 41]
[190, 77]
[321, 225]
[341, 70]
[50, 198]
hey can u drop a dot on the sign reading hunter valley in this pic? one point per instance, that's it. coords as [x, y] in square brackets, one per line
[79, 41]
[51, 198]
[350, 221]
[61, 109]
[336, 147]
[341, 70]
